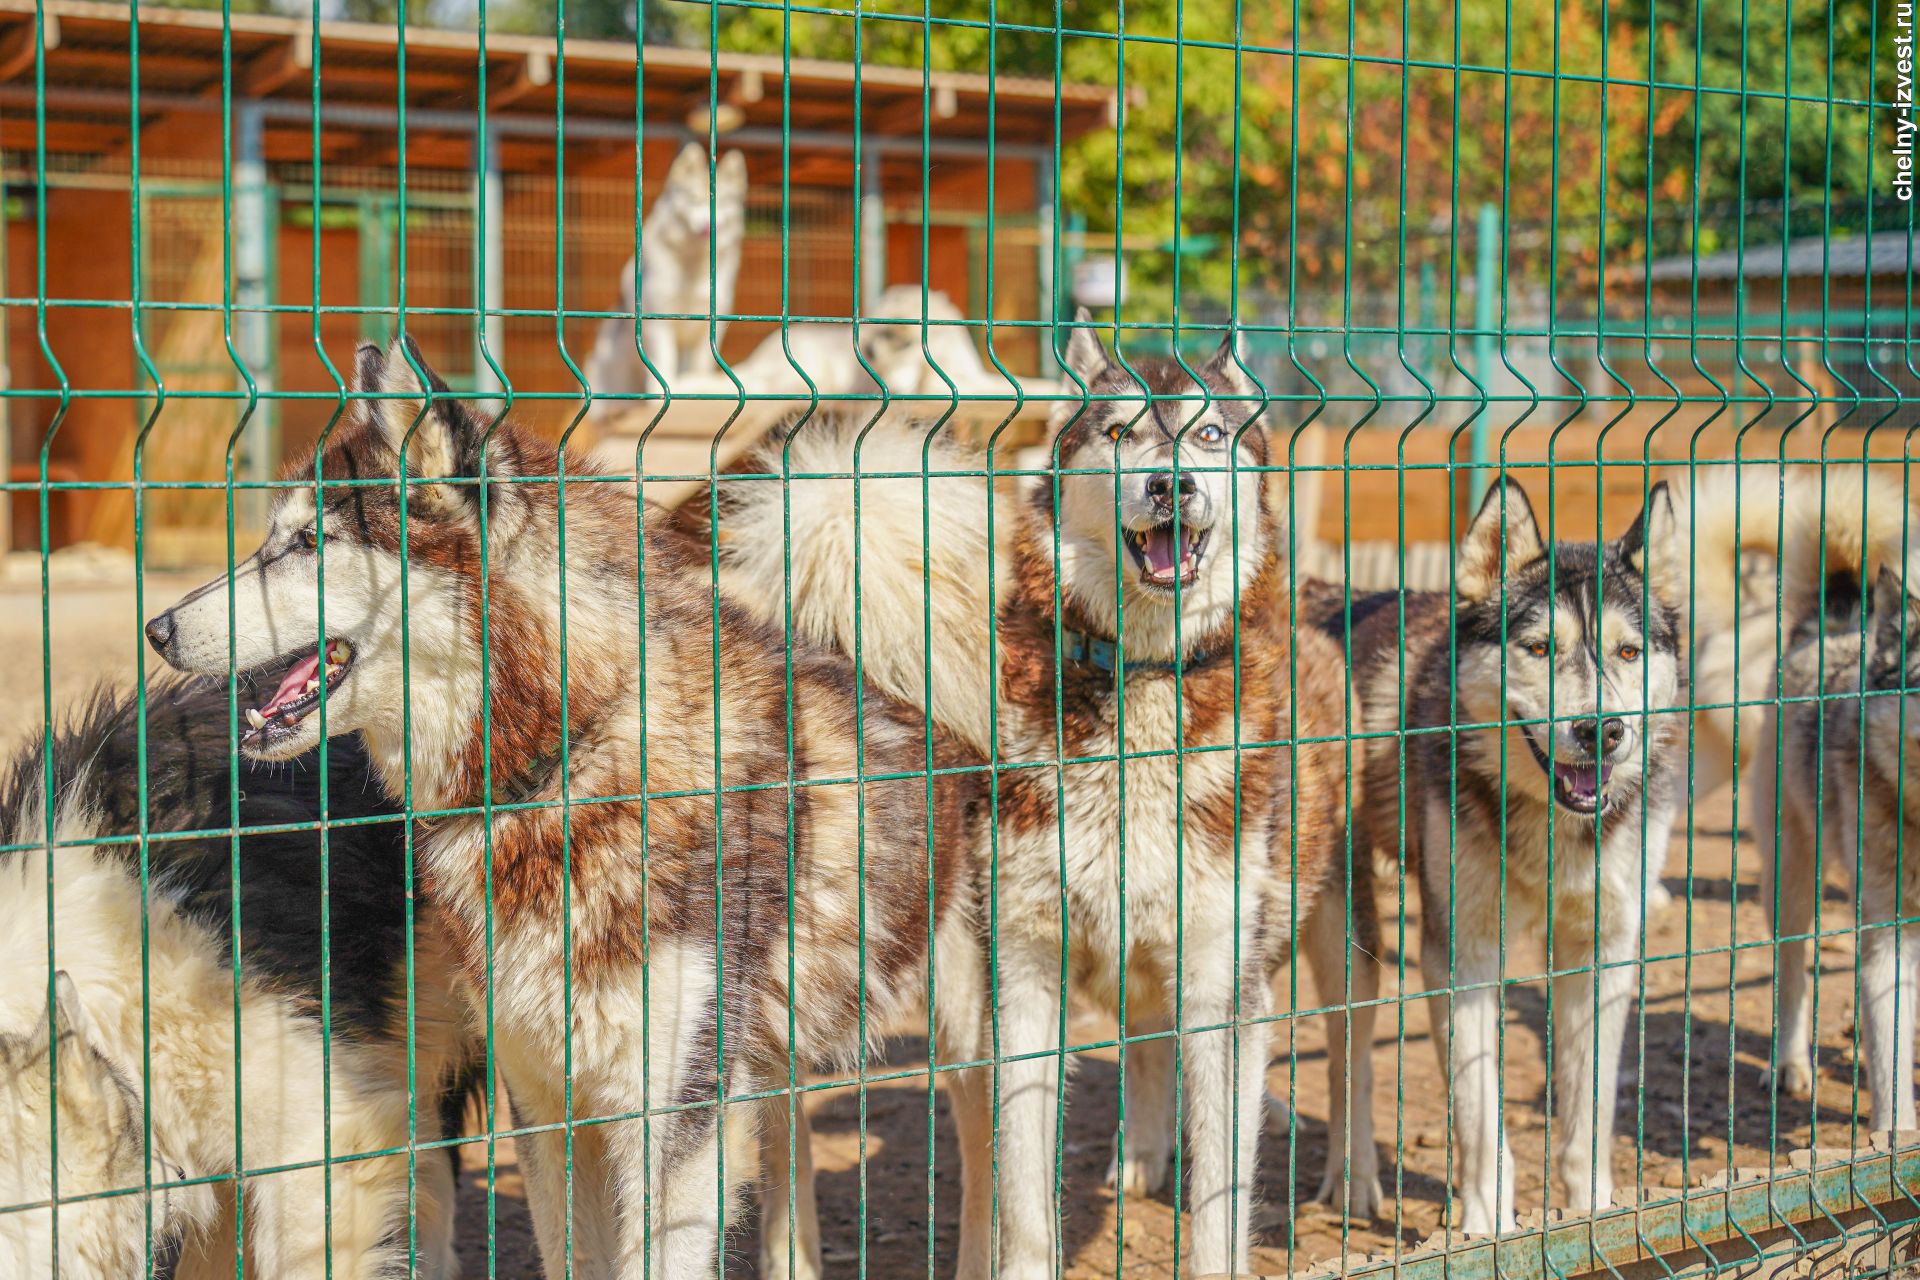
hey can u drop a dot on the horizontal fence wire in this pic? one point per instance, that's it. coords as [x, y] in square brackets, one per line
[748, 638]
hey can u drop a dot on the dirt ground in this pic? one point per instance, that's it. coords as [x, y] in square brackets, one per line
[1690, 1103]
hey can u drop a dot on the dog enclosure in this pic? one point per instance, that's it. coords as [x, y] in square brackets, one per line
[1590, 249]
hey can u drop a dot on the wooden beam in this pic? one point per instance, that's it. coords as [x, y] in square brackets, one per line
[17, 46]
[275, 68]
[530, 73]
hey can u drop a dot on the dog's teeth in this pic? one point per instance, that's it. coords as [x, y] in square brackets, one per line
[255, 719]
[311, 685]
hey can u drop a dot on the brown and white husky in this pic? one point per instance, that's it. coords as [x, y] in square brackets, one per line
[1170, 812]
[676, 853]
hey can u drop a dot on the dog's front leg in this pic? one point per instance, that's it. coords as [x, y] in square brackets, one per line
[1226, 1097]
[662, 345]
[789, 1220]
[1889, 968]
[1029, 1106]
[1466, 1033]
[1589, 1027]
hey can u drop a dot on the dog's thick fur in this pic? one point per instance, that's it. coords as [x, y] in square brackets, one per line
[1231, 836]
[680, 903]
[1838, 769]
[690, 265]
[179, 1032]
[1567, 646]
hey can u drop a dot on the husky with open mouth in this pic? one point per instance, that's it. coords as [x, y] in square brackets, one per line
[1555, 653]
[1190, 816]
[715, 855]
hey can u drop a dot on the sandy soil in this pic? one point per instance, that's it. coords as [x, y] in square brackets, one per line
[1689, 1103]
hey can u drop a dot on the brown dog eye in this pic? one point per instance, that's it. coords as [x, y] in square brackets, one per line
[307, 539]
[1538, 648]
[1629, 653]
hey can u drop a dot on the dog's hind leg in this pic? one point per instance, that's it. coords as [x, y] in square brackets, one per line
[789, 1229]
[1791, 900]
[1589, 1027]
[1029, 1106]
[671, 1202]
[1889, 970]
[1351, 1183]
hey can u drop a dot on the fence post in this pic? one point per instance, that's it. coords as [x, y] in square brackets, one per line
[253, 229]
[1486, 273]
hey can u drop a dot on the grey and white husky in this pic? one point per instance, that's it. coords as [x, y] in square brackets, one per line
[692, 878]
[690, 262]
[1838, 768]
[1187, 826]
[152, 1032]
[1516, 728]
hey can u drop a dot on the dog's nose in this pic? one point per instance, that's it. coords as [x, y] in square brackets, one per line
[160, 633]
[1160, 487]
[1600, 740]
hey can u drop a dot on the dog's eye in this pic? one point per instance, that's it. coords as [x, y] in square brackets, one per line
[1539, 648]
[1629, 653]
[1209, 433]
[1116, 429]
[306, 539]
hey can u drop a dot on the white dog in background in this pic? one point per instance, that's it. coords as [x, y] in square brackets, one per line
[690, 263]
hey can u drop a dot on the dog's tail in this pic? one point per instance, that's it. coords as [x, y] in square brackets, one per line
[923, 569]
[1836, 537]
[1729, 513]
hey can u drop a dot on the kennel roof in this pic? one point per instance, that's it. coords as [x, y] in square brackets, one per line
[183, 67]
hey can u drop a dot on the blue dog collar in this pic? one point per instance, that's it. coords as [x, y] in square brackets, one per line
[1078, 646]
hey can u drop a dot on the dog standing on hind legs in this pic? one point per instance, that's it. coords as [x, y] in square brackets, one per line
[1838, 768]
[1561, 654]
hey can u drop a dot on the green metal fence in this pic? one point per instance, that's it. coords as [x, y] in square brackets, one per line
[758, 764]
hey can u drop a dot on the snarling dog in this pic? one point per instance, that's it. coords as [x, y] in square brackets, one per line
[150, 1030]
[677, 862]
[1513, 726]
[1838, 760]
[1186, 826]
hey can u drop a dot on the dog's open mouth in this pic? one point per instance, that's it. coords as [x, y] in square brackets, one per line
[1579, 785]
[1161, 562]
[300, 691]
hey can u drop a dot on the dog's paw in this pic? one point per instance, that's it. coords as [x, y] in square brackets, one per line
[1357, 1199]
[1145, 1171]
[1659, 897]
[1793, 1078]
[1279, 1116]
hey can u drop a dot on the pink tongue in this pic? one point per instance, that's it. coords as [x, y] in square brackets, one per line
[1160, 556]
[294, 685]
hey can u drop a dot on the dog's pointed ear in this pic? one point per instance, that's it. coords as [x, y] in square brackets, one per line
[417, 412]
[1651, 547]
[1503, 537]
[1086, 356]
[689, 168]
[731, 182]
[1225, 370]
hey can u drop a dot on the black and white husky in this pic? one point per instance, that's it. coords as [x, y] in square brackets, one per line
[1837, 774]
[147, 1022]
[1514, 722]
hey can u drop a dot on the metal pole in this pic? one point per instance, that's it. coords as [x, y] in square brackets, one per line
[1044, 248]
[490, 253]
[253, 262]
[873, 236]
[1486, 275]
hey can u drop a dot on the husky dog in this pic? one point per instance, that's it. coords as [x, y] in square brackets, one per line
[1172, 595]
[1838, 763]
[175, 1032]
[690, 262]
[1555, 656]
[695, 878]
